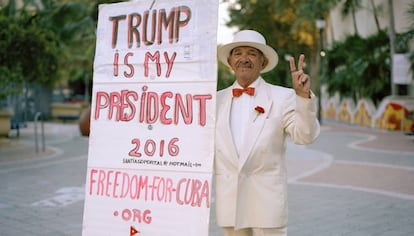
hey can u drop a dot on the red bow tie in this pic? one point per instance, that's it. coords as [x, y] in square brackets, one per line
[237, 92]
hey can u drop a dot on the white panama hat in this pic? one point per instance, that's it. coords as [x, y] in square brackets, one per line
[249, 38]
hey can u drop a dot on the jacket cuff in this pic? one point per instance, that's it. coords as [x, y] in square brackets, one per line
[307, 103]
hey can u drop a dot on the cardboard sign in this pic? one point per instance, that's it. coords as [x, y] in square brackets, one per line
[151, 144]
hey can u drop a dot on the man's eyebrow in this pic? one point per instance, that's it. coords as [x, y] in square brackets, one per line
[249, 50]
[253, 50]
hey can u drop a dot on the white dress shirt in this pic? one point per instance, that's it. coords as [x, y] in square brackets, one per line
[241, 109]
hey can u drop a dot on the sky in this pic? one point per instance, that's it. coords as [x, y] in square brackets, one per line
[224, 34]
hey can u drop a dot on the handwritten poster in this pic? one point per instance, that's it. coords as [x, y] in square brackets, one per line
[151, 143]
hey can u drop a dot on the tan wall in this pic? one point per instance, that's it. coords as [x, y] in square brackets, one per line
[365, 19]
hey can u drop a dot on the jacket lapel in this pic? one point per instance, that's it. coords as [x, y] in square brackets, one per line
[224, 123]
[256, 120]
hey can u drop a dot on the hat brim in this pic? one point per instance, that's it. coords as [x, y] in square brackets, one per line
[271, 55]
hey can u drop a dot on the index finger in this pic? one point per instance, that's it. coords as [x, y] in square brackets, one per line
[292, 64]
[300, 63]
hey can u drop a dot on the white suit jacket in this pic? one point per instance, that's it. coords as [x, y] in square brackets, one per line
[251, 188]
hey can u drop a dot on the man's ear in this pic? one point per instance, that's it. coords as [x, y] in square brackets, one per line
[265, 62]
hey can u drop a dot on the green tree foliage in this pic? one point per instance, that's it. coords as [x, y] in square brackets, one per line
[36, 39]
[75, 30]
[27, 53]
[11, 82]
[47, 41]
[356, 67]
[288, 26]
[278, 22]
[225, 76]
[81, 49]
[359, 68]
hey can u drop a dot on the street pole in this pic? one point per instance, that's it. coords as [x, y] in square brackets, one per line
[320, 76]
[320, 24]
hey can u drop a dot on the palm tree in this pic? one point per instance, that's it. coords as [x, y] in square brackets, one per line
[351, 7]
[375, 13]
[50, 55]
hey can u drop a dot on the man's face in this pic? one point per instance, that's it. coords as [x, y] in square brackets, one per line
[246, 62]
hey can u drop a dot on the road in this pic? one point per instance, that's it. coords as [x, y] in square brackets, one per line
[351, 181]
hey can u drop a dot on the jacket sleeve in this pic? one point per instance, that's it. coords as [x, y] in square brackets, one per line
[300, 120]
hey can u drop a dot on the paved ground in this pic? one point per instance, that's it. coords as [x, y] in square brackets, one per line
[351, 181]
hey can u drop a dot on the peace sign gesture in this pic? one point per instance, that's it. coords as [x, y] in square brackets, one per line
[300, 80]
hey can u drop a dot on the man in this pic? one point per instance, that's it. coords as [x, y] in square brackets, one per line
[250, 170]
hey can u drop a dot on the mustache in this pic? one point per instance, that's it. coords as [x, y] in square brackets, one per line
[244, 64]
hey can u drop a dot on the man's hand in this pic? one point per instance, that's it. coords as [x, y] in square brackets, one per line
[300, 80]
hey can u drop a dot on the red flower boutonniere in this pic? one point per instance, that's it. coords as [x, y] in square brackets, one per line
[259, 109]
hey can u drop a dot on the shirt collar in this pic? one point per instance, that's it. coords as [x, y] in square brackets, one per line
[253, 85]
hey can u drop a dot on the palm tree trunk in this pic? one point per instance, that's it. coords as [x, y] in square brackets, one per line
[331, 28]
[355, 22]
[374, 10]
[391, 31]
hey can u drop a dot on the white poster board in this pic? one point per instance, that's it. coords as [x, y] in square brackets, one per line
[401, 72]
[151, 143]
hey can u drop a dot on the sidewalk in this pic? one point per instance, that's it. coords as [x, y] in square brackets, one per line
[354, 181]
[316, 163]
[351, 181]
[380, 140]
[23, 147]
[313, 164]
[377, 161]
